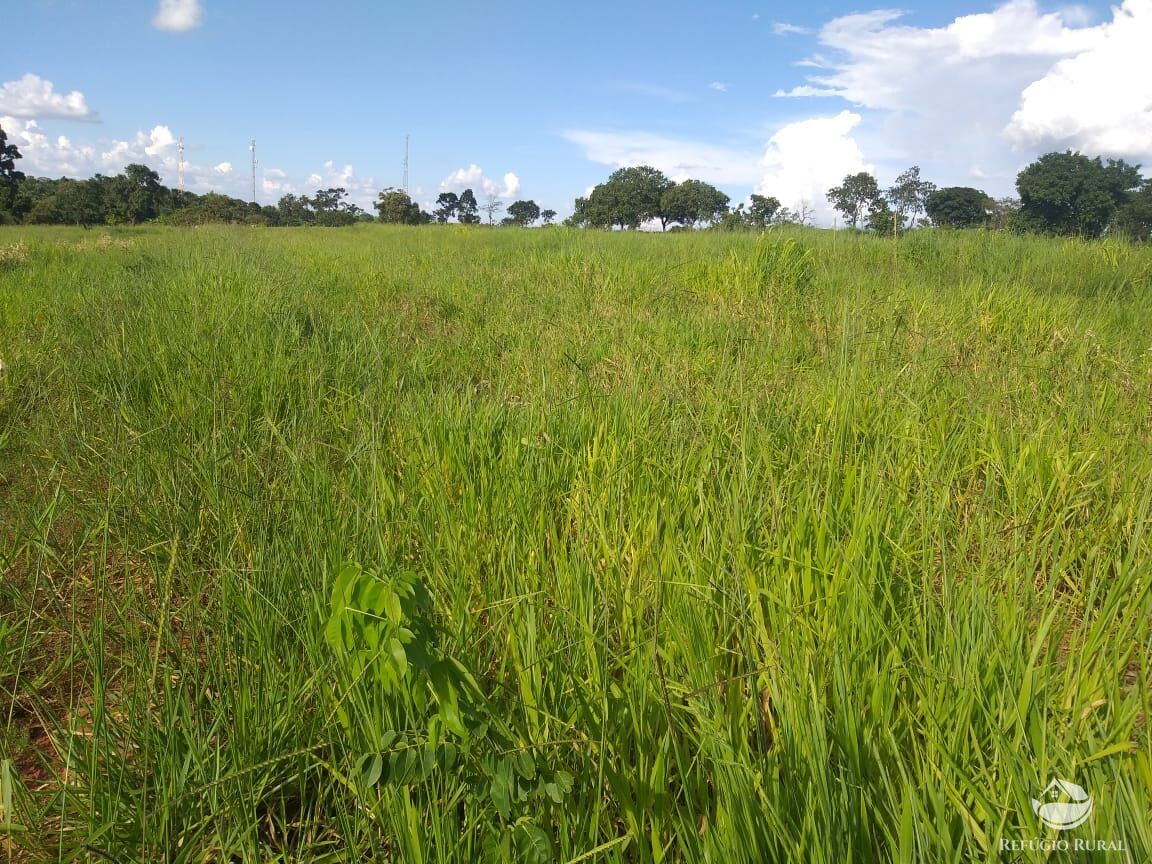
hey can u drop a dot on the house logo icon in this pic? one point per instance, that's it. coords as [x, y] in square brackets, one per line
[1063, 805]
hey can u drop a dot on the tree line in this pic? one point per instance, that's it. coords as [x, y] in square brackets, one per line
[1066, 194]
[1060, 194]
[136, 196]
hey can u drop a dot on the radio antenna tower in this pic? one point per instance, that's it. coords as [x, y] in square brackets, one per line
[252, 147]
[406, 164]
[181, 150]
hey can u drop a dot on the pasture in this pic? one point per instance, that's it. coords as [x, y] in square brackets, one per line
[443, 544]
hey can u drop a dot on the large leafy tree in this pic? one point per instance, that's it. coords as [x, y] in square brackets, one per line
[468, 209]
[79, 202]
[855, 197]
[692, 201]
[332, 210]
[446, 205]
[295, 210]
[396, 208]
[958, 207]
[135, 196]
[9, 176]
[629, 198]
[524, 213]
[762, 210]
[1069, 193]
[908, 196]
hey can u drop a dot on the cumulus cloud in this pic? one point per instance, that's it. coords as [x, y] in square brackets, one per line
[1098, 100]
[718, 86]
[805, 159]
[473, 178]
[223, 168]
[679, 158]
[156, 142]
[971, 91]
[178, 16]
[33, 96]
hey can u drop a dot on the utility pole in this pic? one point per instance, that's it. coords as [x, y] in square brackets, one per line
[253, 149]
[181, 149]
[406, 137]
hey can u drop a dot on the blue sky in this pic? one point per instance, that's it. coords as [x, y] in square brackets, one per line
[543, 100]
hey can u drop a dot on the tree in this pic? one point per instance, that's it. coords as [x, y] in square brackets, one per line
[1068, 193]
[492, 206]
[855, 196]
[763, 210]
[1004, 214]
[593, 211]
[78, 202]
[958, 207]
[294, 210]
[690, 202]
[446, 205]
[331, 210]
[523, 213]
[629, 198]
[396, 208]
[908, 196]
[1134, 218]
[883, 220]
[9, 153]
[467, 210]
[9, 176]
[134, 196]
[547, 216]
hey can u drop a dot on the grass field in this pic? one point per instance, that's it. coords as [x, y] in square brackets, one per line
[434, 545]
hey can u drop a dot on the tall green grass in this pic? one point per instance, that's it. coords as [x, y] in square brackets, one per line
[447, 545]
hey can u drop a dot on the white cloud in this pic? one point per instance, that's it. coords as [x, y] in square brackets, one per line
[718, 86]
[473, 178]
[678, 158]
[1099, 100]
[33, 96]
[781, 28]
[223, 168]
[178, 16]
[971, 91]
[156, 142]
[804, 160]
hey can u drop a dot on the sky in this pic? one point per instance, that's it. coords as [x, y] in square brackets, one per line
[544, 100]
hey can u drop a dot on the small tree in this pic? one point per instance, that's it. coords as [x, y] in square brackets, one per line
[9, 176]
[446, 205]
[855, 197]
[958, 207]
[692, 201]
[467, 209]
[763, 210]
[9, 153]
[908, 196]
[547, 216]
[492, 206]
[523, 213]
[396, 208]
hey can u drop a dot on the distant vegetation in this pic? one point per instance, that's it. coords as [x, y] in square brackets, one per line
[1067, 194]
